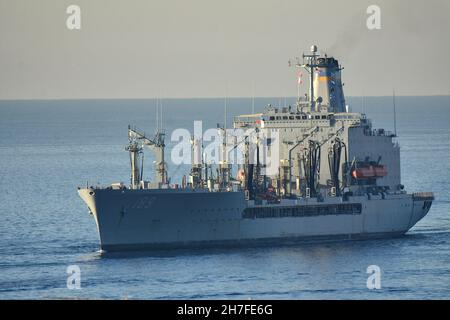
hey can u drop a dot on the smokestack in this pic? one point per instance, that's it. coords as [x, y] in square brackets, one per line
[328, 85]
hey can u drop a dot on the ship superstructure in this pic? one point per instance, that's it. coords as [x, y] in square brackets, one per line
[331, 175]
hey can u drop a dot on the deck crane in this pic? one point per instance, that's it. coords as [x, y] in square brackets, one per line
[156, 145]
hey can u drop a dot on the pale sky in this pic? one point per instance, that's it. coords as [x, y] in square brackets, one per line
[213, 48]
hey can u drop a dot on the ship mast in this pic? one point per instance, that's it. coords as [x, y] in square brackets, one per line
[309, 66]
[309, 63]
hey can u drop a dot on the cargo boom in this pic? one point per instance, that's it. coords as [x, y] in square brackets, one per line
[336, 178]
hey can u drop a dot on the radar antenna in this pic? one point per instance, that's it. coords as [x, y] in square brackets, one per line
[308, 62]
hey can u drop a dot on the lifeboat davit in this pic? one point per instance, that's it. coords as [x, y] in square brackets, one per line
[368, 172]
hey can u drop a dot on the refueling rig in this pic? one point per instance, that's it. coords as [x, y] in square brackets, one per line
[310, 171]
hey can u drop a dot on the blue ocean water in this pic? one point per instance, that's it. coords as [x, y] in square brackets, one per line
[48, 148]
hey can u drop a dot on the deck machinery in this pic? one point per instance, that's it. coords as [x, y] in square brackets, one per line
[331, 175]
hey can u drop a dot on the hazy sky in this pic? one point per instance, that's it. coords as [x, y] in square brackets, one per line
[212, 48]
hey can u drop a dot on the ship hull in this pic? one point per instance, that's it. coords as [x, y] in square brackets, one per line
[162, 219]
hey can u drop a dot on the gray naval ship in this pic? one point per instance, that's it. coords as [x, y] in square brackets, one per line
[334, 177]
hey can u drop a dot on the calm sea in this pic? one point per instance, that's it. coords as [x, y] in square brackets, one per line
[48, 148]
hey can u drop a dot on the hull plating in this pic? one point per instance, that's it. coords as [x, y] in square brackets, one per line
[141, 219]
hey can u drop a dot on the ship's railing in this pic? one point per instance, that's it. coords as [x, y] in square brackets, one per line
[240, 123]
[382, 133]
[422, 196]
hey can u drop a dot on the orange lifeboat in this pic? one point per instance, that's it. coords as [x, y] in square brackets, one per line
[380, 171]
[363, 173]
[368, 172]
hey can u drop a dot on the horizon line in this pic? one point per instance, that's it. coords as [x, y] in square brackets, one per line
[206, 98]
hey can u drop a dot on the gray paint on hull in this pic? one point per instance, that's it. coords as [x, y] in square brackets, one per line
[132, 219]
[249, 242]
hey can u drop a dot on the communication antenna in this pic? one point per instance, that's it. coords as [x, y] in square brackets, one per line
[253, 98]
[225, 110]
[309, 63]
[253, 104]
[363, 105]
[161, 113]
[156, 119]
[395, 113]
